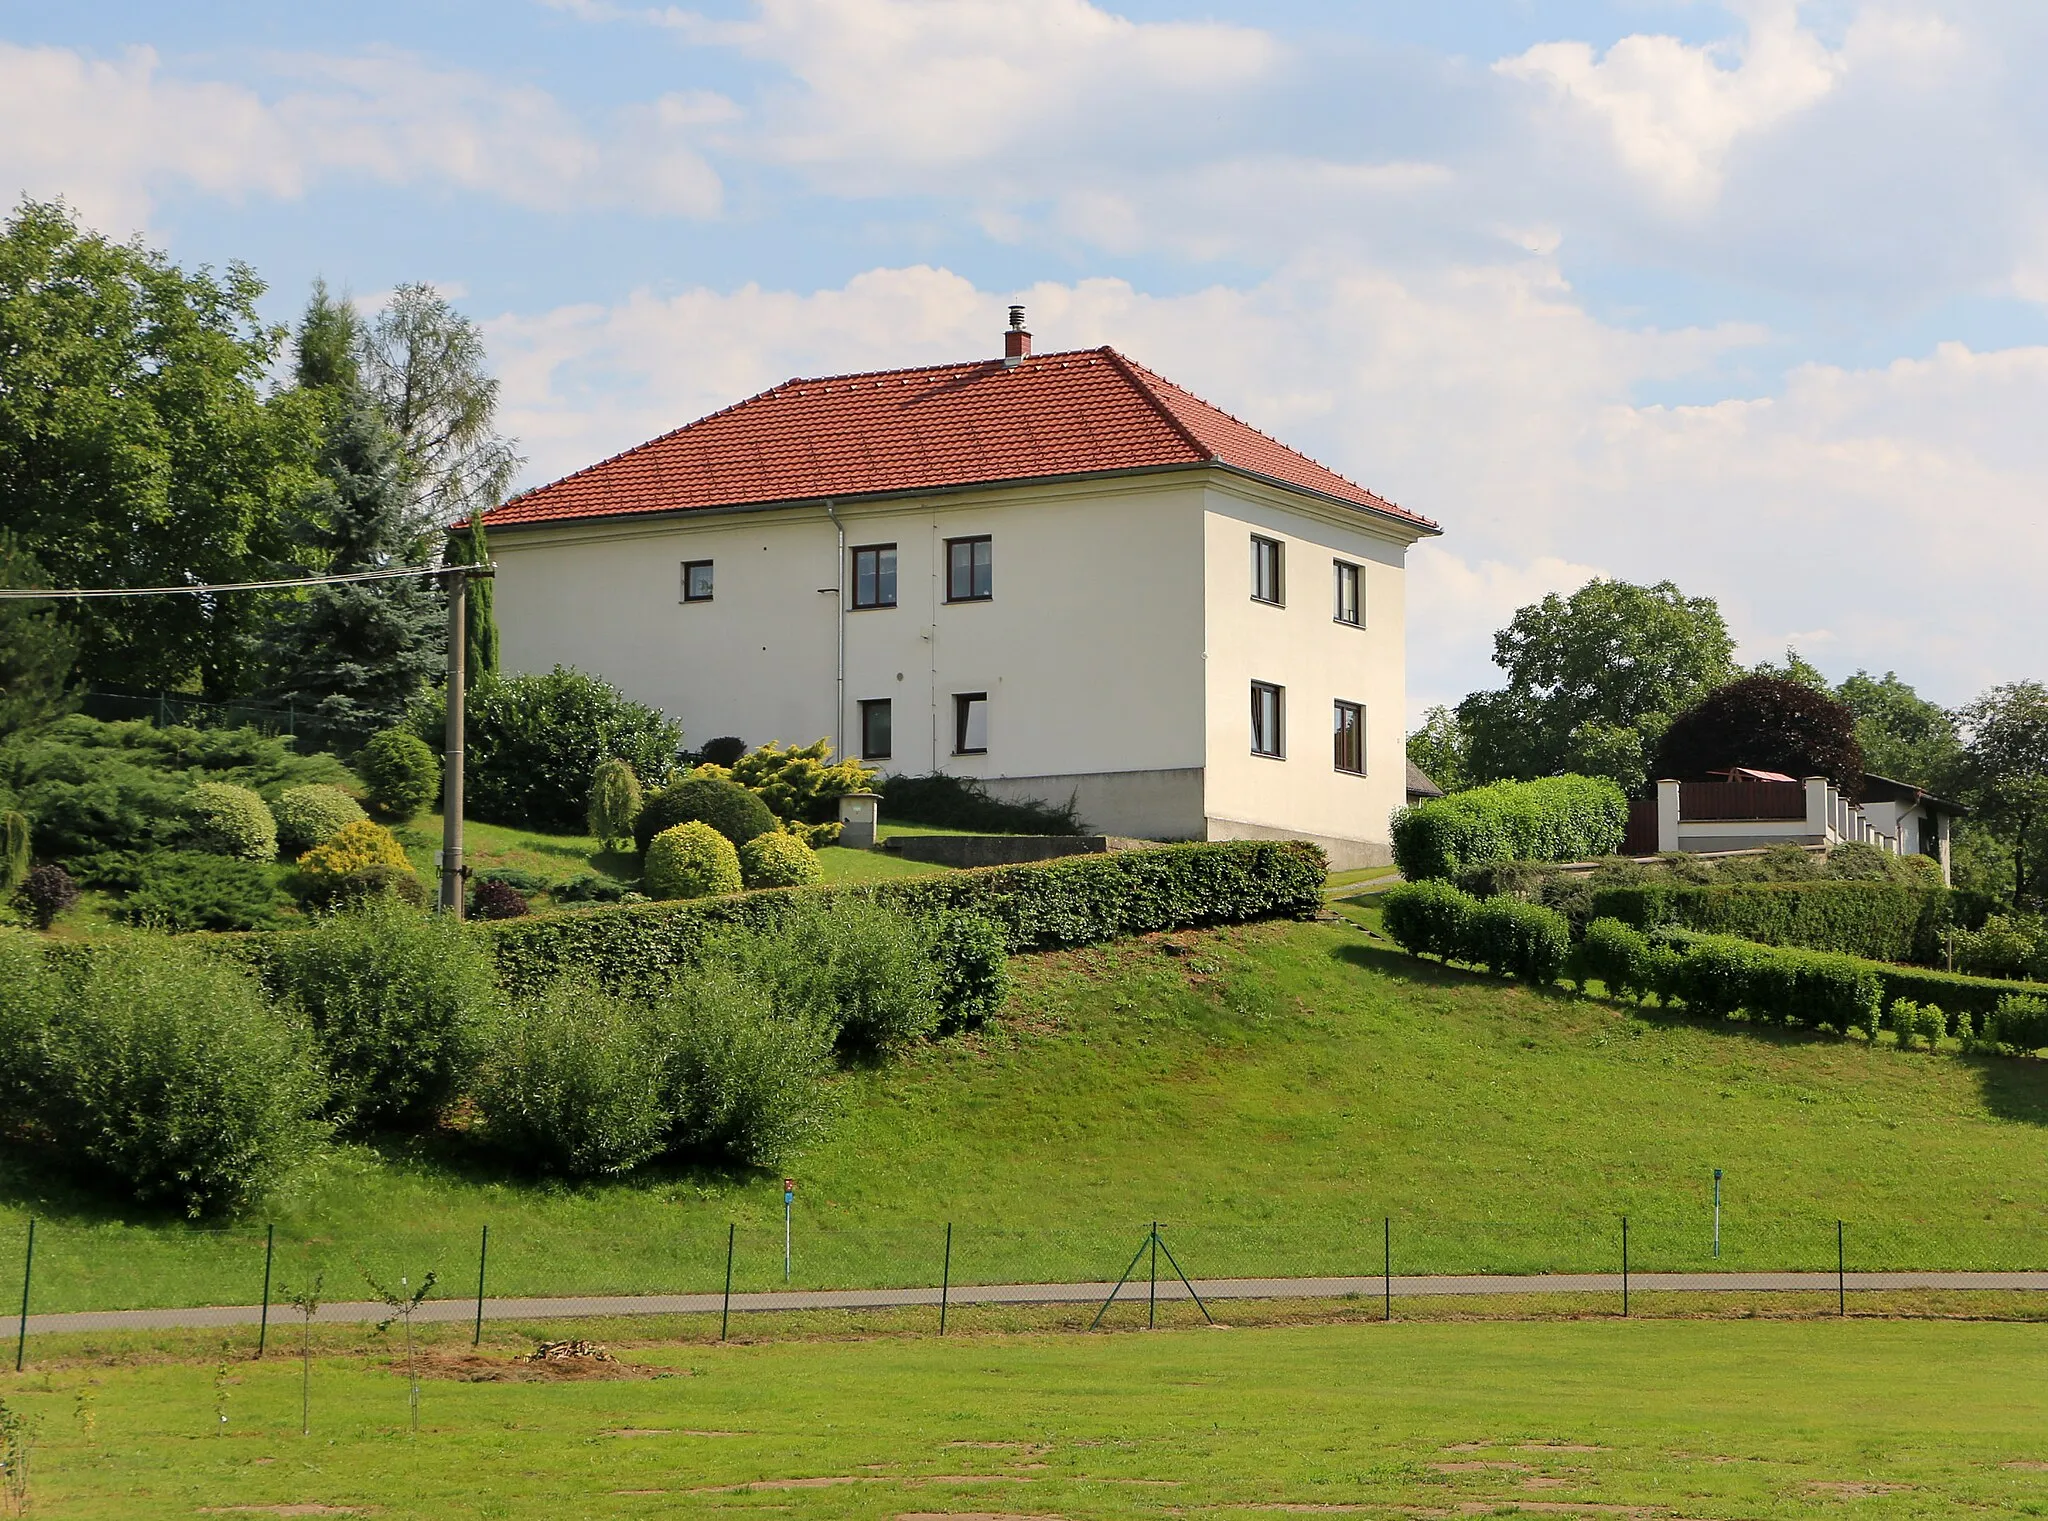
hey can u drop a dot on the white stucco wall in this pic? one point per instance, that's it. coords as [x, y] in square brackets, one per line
[1301, 647]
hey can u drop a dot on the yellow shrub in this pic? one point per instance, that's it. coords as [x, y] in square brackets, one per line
[356, 847]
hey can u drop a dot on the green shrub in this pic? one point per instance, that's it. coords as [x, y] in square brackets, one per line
[2005, 946]
[28, 998]
[401, 775]
[801, 784]
[2021, 1022]
[352, 848]
[534, 743]
[166, 1068]
[1617, 955]
[369, 884]
[575, 1082]
[1720, 975]
[745, 1081]
[962, 802]
[1512, 938]
[312, 815]
[1913, 1022]
[1559, 818]
[1427, 918]
[614, 802]
[974, 969]
[1075, 901]
[861, 969]
[778, 860]
[231, 821]
[396, 1000]
[1878, 920]
[690, 860]
[14, 856]
[716, 800]
[1952, 990]
[183, 890]
[590, 887]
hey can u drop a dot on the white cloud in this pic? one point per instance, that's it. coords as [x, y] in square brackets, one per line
[111, 135]
[1674, 112]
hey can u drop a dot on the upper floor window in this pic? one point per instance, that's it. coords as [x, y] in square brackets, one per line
[875, 739]
[1268, 582]
[1269, 715]
[1350, 603]
[696, 580]
[967, 570]
[970, 723]
[1350, 738]
[874, 576]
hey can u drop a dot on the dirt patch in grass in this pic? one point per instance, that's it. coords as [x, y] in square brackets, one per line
[285, 1510]
[482, 1368]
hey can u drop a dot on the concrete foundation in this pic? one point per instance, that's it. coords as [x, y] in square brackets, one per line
[1344, 854]
[1142, 805]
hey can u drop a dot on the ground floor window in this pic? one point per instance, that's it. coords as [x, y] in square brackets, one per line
[874, 729]
[1350, 736]
[1268, 716]
[970, 723]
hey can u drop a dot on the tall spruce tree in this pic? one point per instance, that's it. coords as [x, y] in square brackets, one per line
[352, 657]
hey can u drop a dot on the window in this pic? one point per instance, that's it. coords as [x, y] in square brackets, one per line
[1350, 607]
[874, 729]
[967, 570]
[1267, 585]
[874, 576]
[1268, 716]
[1350, 736]
[696, 580]
[970, 723]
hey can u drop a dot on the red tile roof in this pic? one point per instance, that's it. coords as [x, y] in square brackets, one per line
[946, 425]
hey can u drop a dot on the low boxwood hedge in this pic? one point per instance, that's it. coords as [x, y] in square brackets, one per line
[1502, 934]
[1556, 818]
[1882, 921]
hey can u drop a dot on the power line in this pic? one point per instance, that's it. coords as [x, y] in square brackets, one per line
[30, 593]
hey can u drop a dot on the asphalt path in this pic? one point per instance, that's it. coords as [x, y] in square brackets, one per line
[1217, 1291]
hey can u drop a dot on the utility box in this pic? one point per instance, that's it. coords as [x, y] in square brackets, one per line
[859, 813]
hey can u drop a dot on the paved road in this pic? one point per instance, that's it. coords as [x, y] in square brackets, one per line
[1217, 1290]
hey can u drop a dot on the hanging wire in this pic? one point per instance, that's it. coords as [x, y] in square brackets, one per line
[31, 593]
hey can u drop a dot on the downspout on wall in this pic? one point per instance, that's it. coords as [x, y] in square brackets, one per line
[838, 590]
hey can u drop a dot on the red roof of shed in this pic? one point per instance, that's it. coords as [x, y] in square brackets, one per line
[1077, 413]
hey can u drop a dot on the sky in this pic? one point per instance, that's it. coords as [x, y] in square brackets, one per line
[1752, 296]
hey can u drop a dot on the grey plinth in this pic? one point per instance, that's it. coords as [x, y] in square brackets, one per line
[859, 812]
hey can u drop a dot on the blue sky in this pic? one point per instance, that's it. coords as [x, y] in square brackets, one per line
[1749, 295]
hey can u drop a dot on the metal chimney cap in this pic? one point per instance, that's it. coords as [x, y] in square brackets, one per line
[1017, 318]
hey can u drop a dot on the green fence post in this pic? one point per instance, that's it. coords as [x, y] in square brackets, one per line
[946, 1278]
[725, 1314]
[1841, 1274]
[269, 1253]
[1624, 1266]
[1387, 1267]
[1152, 1292]
[28, 1263]
[483, 1252]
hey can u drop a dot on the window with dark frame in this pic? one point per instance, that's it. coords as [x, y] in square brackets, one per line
[970, 723]
[1350, 605]
[1349, 725]
[874, 576]
[1268, 581]
[1269, 718]
[874, 729]
[696, 580]
[968, 570]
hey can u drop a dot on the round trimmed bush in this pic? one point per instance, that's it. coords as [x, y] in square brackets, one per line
[355, 847]
[231, 821]
[47, 890]
[724, 804]
[312, 815]
[690, 860]
[778, 860]
[495, 898]
[401, 775]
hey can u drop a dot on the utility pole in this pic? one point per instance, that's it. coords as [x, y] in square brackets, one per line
[452, 873]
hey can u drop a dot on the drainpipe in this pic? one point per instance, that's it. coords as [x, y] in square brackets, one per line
[838, 590]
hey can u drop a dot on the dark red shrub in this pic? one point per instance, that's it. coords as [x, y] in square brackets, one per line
[48, 891]
[1768, 724]
[497, 900]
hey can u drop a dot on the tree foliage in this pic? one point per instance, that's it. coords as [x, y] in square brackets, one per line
[139, 446]
[1904, 736]
[1592, 681]
[2005, 765]
[1442, 748]
[37, 649]
[1766, 722]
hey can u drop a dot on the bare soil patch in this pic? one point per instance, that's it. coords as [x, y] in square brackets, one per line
[482, 1368]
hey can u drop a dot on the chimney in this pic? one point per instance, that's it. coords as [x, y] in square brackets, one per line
[1016, 342]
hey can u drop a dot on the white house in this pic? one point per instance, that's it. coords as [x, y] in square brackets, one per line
[1058, 573]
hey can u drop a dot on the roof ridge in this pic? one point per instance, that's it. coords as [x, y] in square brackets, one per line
[951, 366]
[1134, 372]
[1262, 433]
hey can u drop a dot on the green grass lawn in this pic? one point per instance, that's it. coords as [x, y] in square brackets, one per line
[1270, 1092]
[1633, 1419]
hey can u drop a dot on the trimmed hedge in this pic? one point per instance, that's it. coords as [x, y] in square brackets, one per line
[1502, 934]
[1880, 921]
[1722, 974]
[1952, 990]
[1077, 900]
[1558, 818]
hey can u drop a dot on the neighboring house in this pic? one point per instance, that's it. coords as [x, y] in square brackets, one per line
[1745, 809]
[1420, 787]
[1059, 574]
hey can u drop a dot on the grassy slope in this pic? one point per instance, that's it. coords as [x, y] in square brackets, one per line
[1741, 1418]
[1271, 1095]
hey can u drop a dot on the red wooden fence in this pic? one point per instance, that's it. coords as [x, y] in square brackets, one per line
[1741, 800]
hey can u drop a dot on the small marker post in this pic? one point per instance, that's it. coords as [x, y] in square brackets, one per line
[1624, 1267]
[725, 1313]
[1387, 1267]
[788, 1207]
[1717, 1212]
[946, 1278]
[269, 1251]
